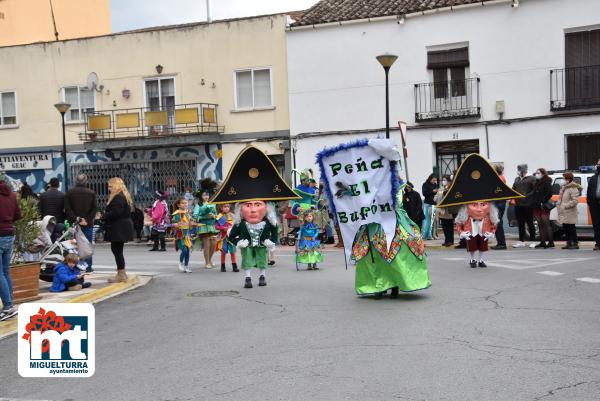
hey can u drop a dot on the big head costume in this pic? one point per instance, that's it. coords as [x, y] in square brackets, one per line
[475, 186]
[252, 182]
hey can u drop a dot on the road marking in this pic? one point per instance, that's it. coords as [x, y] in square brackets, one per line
[522, 264]
[550, 273]
[589, 280]
[454, 259]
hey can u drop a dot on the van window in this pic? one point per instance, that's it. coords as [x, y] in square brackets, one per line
[559, 181]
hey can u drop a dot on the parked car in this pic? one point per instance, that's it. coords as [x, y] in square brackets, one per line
[582, 177]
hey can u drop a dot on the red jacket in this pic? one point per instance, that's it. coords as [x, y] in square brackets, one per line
[9, 210]
[487, 227]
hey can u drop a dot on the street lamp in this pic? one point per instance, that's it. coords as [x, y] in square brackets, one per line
[386, 60]
[62, 108]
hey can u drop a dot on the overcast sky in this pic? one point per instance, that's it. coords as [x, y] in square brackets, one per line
[133, 14]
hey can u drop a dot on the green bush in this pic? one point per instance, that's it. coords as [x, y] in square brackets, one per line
[26, 229]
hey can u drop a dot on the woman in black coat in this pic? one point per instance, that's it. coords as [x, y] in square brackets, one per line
[542, 192]
[118, 224]
[413, 205]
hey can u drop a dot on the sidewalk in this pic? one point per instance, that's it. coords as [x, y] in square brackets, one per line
[99, 291]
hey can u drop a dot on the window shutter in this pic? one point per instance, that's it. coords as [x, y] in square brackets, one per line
[448, 58]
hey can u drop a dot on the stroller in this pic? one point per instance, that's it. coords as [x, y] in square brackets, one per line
[71, 241]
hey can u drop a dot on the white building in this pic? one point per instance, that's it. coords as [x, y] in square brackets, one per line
[517, 81]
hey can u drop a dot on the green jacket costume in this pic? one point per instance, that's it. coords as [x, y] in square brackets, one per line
[254, 255]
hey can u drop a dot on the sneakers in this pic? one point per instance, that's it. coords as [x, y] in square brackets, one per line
[8, 313]
[271, 262]
[519, 244]
[75, 287]
[248, 283]
[86, 285]
[473, 263]
[235, 268]
[482, 264]
[187, 269]
[499, 247]
[541, 245]
[262, 281]
[181, 267]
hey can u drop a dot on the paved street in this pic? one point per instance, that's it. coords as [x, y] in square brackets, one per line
[525, 328]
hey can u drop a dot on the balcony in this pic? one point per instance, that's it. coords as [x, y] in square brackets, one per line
[447, 100]
[171, 121]
[575, 88]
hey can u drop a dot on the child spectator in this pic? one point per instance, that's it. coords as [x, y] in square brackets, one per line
[67, 276]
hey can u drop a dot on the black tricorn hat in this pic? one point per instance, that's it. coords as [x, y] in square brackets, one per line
[253, 176]
[476, 181]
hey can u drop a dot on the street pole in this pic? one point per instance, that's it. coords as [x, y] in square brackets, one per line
[64, 153]
[387, 104]
[62, 108]
[386, 60]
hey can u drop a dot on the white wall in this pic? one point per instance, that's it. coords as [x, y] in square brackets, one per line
[336, 84]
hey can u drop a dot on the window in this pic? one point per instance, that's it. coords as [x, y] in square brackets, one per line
[449, 73]
[160, 96]
[8, 109]
[81, 100]
[253, 89]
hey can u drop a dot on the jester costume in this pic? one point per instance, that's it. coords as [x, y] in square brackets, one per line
[309, 246]
[206, 224]
[183, 242]
[403, 266]
[223, 224]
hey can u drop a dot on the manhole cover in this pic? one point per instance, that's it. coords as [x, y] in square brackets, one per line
[213, 293]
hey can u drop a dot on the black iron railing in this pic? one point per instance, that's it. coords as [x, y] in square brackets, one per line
[180, 119]
[447, 100]
[575, 88]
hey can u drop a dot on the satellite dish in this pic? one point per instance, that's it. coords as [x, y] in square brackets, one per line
[92, 82]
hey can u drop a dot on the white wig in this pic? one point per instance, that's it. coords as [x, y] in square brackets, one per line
[271, 215]
[463, 214]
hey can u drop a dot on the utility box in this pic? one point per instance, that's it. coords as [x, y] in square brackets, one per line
[500, 106]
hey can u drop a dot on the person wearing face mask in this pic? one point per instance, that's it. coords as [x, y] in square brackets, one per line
[444, 213]
[524, 206]
[413, 204]
[593, 201]
[542, 192]
[568, 199]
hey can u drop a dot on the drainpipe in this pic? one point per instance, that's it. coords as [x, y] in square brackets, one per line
[487, 142]
[208, 18]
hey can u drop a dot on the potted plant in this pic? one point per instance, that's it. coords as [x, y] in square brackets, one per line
[25, 275]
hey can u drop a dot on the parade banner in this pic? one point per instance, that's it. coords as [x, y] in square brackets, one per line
[361, 182]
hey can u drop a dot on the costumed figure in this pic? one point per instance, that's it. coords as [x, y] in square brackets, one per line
[365, 196]
[224, 223]
[253, 181]
[475, 186]
[308, 248]
[306, 191]
[182, 223]
[204, 214]
[160, 220]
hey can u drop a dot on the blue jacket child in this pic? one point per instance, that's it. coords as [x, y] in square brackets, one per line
[67, 276]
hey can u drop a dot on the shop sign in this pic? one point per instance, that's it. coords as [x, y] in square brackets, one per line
[26, 161]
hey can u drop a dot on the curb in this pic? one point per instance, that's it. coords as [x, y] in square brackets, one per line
[10, 327]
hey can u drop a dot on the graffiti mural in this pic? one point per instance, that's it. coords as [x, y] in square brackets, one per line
[207, 159]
